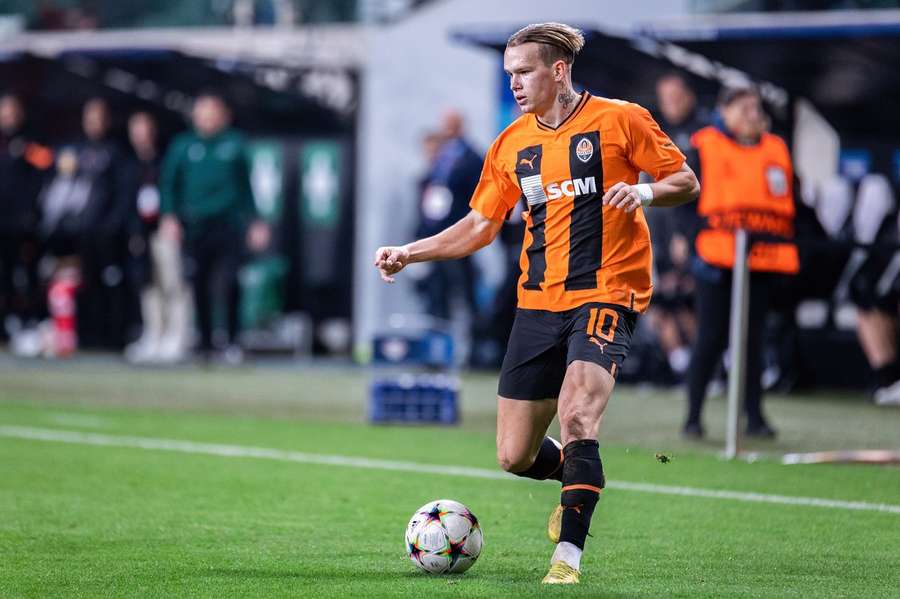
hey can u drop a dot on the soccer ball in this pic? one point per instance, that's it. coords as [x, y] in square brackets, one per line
[443, 537]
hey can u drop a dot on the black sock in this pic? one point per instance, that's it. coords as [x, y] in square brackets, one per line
[582, 482]
[547, 464]
[895, 370]
[887, 374]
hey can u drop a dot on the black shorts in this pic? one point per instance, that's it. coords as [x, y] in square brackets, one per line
[542, 344]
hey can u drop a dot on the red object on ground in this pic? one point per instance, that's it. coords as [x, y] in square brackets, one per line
[61, 301]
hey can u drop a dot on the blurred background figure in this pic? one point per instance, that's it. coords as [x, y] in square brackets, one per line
[84, 220]
[672, 312]
[101, 164]
[495, 323]
[155, 268]
[454, 168]
[207, 204]
[747, 182]
[875, 286]
[23, 163]
[877, 330]
[679, 112]
[62, 225]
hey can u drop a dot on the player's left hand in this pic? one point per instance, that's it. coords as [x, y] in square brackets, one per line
[623, 196]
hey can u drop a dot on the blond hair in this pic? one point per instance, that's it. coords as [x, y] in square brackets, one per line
[555, 40]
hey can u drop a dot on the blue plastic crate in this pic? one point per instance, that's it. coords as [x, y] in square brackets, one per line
[414, 399]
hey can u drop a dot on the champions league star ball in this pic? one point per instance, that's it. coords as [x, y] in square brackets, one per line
[443, 537]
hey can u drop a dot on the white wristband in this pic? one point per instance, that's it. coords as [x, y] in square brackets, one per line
[645, 192]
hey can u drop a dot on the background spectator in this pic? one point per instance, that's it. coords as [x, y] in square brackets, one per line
[207, 202]
[671, 313]
[22, 165]
[875, 287]
[448, 288]
[101, 166]
[746, 184]
[444, 199]
[495, 323]
[155, 267]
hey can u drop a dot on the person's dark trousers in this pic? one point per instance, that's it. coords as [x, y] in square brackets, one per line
[446, 280]
[213, 254]
[713, 305]
[19, 296]
[102, 297]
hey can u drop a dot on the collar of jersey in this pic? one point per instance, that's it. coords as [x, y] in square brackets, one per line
[581, 103]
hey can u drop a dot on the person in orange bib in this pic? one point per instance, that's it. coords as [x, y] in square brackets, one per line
[573, 160]
[747, 184]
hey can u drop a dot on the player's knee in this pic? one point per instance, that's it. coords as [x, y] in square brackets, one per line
[512, 461]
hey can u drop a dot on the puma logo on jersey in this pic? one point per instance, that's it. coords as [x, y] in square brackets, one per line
[602, 345]
[571, 188]
[530, 163]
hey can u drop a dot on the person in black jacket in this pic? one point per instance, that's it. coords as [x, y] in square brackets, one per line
[444, 199]
[673, 231]
[22, 166]
[102, 165]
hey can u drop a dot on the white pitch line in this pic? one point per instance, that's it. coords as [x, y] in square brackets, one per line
[242, 451]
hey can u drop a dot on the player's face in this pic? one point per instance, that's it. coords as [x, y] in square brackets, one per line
[532, 82]
[744, 117]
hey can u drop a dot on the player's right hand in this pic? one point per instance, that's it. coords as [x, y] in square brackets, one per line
[622, 196]
[391, 260]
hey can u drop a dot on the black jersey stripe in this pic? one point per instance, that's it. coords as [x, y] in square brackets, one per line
[528, 172]
[586, 225]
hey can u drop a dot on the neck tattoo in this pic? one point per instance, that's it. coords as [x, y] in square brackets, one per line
[566, 98]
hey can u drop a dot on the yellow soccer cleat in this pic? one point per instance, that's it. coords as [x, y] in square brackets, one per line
[561, 573]
[554, 524]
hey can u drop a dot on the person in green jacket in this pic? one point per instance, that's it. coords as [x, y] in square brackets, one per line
[207, 205]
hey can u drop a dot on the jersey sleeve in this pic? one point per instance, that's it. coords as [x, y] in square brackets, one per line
[650, 149]
[495, 194]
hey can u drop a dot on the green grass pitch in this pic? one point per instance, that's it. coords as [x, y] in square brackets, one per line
[81, 520]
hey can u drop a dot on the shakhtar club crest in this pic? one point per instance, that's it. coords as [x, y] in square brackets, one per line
[584, 150]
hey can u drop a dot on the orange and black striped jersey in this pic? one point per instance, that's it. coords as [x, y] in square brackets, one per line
[576, 250]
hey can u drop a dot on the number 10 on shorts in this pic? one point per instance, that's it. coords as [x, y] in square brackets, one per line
[602, 323]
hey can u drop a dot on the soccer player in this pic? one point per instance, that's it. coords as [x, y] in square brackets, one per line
[574, 159]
